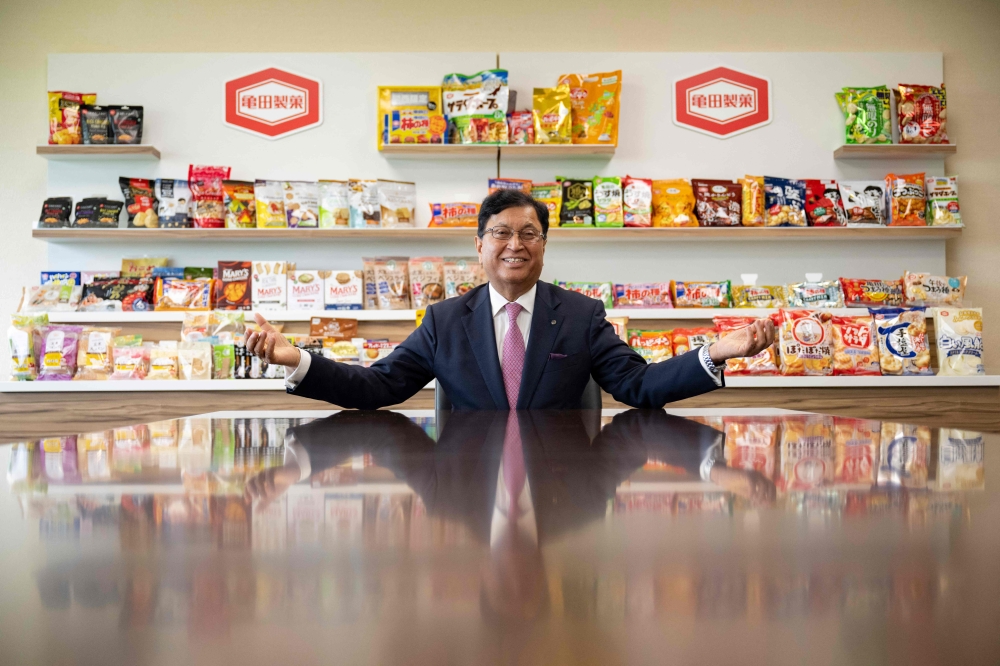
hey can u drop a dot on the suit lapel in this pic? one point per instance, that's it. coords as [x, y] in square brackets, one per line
[479, 327]
[545, 324]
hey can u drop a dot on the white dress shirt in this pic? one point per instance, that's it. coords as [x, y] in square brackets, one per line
[525, 524]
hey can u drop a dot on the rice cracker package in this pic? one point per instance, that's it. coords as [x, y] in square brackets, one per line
[595, 100]
[637, 194]
[673, 203]
[902, 341]
[806, 343]
[764, 363]
[686, 339]
[551, 114]
[752, 296]
[549, 194]
[753, 201]
[653, 346]
[907, 200]
[863, 293]
[577, 203]
[927, 289]
[608, 201]
[410, 114]
[700, 294]
[959, 334]
[855, 349]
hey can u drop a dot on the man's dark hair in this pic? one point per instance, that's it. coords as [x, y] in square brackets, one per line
[501, 200]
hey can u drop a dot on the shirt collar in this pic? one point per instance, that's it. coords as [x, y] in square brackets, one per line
[526, 300]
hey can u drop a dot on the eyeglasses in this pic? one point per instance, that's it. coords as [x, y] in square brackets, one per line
[527, 235]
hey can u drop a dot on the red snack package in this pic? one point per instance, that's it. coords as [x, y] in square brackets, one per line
[637, 194]
[923, 112]
[718, 203]
[855, 348]
[907, 200]
[208, 210]
[806, 343]
[764, 363]
[862, 293]
[521, 127]
[823, 205]
[686, 339]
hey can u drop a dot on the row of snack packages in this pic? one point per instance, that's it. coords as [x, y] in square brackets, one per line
[921, 114]
[480, 108]
[77, 118]
[887, 341]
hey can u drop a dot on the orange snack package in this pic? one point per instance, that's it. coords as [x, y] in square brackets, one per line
[595, 99]
[764, 363]
[686, 339]
[673, 203]
[752, 443]
[907, 200]
[855, 347]
[806, 343]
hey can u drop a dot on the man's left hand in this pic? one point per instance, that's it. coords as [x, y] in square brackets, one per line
[745, 342]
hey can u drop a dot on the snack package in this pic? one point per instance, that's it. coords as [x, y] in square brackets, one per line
[602, 291]
[58, 352]
[462, 275]
[550, 111]
[131, 358]
[173, 198]
[69, 278]
[343, 290]
[700, 294]
[207, 199]
[752, 296]
[142, 266]
[194, 360]
[95, 121]
[959, 335]
[855, 450]
[620, 325]
[763, 363]
[608, 201]
[933, 290]
[233, 287]
[596, 99]
[864, 202]
[301, 203]
[753, 201]
[866, 113]
[922, 112]
[163, 361]
[521, 128]
[64, 116]
[93, 361]
[718, 203]
[370, 287]
[392, 283]
[806, 453]
[334, 204]
[99, 213]
[823, 294]
[902, 341]
[238, 200]
[24, 340]
[643, 295]
[140, 202]
[118, 295]
[823, 205]
[220, 325]
[376, 350]
[686, 339]
[653, 346]
[342, 351]
[784, 202]
[806, 342]
[223, 361]
[577, 203]
[269, 202]
[174, 294]
[637, 195]
[960, 460]
[516, 184]
[673, 203]
[126, 123]
[270, 284]
[195, 273]
[362, 199]
[476, 106]
[459, 214]
[855, 349]
[410, 114]
[397, 203]
[752, 443]
[337, 329]
[942, 202]
[88, 277]
[305, 290]
[54, 297]
[907, 200]
[905, 454]
[426, 281]
[861, 293]
[56, 212]
[549, 194]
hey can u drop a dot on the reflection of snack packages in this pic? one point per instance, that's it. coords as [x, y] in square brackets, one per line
[234, 286]
[673, 204]
[596, 99]
[602, 291]
[410, 114]
[652, 346]
[806, 343]
[462, 275]
[855, 349]
[907, 200]
[608, 201]
[959, 334]
[855, 450]
[550, 108]
[163, 361]
[173, 197]
[194, 360]
[784, 202]
[686, 339]
[763, 363]
[397, 203]
[549, 194]
[864, 293]
[942, 202]
[517, 184]
[643, 295]
[334, 204]
[476, 106]
[753, 201]
[960, 460]
[240, 205]
[823, 206]
[270, 285]
[806, 453]
[305, 290]
[392, 283]
[59, 351]
[64, 116]
[700, 294]
[94, 360]
[344, 290]
[866, 114]
[864, 202]
[457, 214]
[752, 296]
[752, 443]
[270, 204]
[922, 113]
[426, 281]
[927, 289]
[140, 202]
[823, 294]
[637, 195]
[718, 203]
[904, 455]
[301, 204]
[577, 203]
[24, 339]
[902, 341]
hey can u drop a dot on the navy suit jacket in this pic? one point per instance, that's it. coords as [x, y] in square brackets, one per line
[570, 341]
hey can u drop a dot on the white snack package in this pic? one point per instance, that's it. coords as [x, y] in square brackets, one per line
[344, 290]
[270, 285]
[305, 290]
[959, 334]
[334, 207]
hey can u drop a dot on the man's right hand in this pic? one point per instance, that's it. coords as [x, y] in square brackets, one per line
[271, 345]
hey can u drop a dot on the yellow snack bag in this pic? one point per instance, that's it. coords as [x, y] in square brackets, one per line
[595, 100]
[753, 201]
[673, 203]
[410, 114]
[64, 116]
[551, 113]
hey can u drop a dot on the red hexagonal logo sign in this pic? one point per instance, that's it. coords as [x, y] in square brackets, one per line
[722, 102]
[273, 103]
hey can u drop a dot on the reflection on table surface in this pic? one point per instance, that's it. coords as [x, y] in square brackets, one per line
[548, 537]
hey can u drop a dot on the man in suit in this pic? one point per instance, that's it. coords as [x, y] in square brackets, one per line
[514, 343]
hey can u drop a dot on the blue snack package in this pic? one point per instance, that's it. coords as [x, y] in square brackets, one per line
[784, 202]
[60, 277]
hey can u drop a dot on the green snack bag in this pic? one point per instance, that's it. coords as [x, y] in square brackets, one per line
[602, 291]
[867, 114]
[193, 273]
[223, 361]
[608, 201]
[577, 203]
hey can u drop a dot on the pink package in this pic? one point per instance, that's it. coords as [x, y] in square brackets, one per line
[130, 362]
[643, 295]
[59, 344]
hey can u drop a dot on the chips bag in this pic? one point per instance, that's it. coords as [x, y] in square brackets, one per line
[126, 123]
[763, 363]
[753, 201]
[643, 295]
[700, 294]
[620, 326]
[516, 184]
[653, 346]
[207, 199]
[927, 289]
[806, 343]
[64, 116]
[577, 203]
[718, 202]
[752, 296]
[595, 100]
[637, 194]
[410, 114]
[173, 203]
[825, 294]
[56, 212]
[24, 339]
[861, 293]
[58, 352]
[602, 291]
[476, 107]
[942, 202]
[922, 112]
[907, 200]
[866, 112]
[902, 341]
[823, 206]
[686, 339]
[549, 194]
[94, 353]
[855, 349]
[864, 202]
[784, 202]
[95, 121]
[140, 202]
[334, 204]
[550, 108]
[673, 204]
[608, 201]
[460, 214]
[959, 334]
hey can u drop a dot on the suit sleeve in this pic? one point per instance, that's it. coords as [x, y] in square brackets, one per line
[678, 442]
[389, 381]
[629, 379]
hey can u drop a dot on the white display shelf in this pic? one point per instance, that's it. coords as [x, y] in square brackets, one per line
[80, 152]
[895, 151]
[862, 382]
[460, 151]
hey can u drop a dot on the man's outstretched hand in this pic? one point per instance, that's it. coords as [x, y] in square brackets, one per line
[271, 345]
[748, 341]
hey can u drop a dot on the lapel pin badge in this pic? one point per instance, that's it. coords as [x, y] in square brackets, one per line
[553, 322]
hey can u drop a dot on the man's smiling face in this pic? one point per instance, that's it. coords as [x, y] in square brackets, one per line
[512, 267]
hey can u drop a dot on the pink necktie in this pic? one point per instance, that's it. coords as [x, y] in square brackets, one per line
[512, 364]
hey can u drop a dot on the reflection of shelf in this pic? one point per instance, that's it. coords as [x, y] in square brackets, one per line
[861, 382]
[459, 151]
[560, 150]
[82, 152]
[556, 234]
[895, 151]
